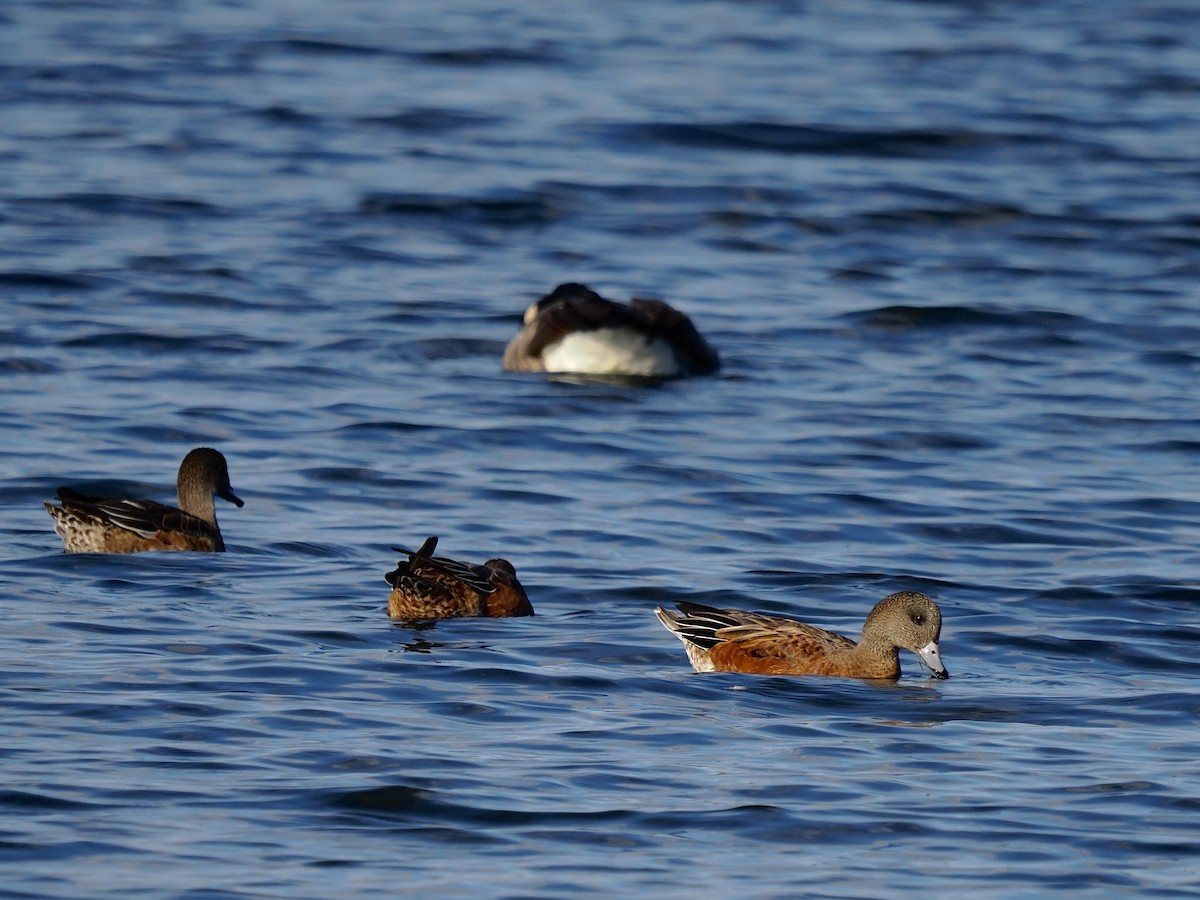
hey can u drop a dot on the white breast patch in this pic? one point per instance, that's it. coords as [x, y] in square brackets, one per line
[612, 351]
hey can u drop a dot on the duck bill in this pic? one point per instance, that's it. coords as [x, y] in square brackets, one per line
[933, 660]
[233, 498]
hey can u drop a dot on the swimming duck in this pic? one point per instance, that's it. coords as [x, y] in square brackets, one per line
[118, 525]
[729, 640]
[432, 587]
[575, 330]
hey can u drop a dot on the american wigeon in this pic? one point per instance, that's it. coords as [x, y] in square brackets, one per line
[431, 587]
[117, 525]
[575, 330]
[729, 640]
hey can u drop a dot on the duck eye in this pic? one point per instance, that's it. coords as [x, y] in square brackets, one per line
[918, 619]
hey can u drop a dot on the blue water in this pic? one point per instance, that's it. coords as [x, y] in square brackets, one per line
[950, 254]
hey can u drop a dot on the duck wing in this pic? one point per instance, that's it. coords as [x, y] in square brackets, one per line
[665, 321]
[757, 635]
[142, 517]
[424, 565]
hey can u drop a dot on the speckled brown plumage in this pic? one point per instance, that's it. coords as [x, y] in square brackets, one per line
[119, 525]
[432, 587]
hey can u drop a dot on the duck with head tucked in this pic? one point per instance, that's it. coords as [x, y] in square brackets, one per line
[432, 587]
[729, 640]
[118, 525]
[573, 330]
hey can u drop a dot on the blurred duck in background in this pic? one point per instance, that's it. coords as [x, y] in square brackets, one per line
[573, 330]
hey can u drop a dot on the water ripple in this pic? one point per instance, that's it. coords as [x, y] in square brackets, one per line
[956, 312]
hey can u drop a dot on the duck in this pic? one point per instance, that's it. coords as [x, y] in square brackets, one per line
[573, 330]
[432, 587]
[118, 525]
[731, 640]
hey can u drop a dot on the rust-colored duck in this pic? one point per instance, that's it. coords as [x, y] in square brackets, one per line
[730, 640]
[432, 587]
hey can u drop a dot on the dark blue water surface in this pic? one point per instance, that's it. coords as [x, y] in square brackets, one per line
[950, 253]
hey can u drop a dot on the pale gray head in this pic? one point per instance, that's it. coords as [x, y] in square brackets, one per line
[907, 620]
